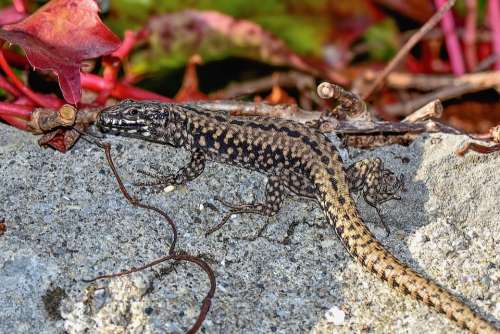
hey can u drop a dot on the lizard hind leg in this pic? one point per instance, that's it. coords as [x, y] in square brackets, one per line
[376, 184]
[271, 206]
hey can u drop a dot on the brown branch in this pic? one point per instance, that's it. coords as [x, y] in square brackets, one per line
[434, 109]
[486, 63]
[477, 148]
[446, 93]
[349, 102]
[482, 35]
[134, 201]
[291, 79]
[3, 226]
[207, 301]
[406, 48]
[428, 82]
[294, 113]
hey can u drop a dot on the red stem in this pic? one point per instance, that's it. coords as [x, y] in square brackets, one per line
[16, 122]
[111, 67]
[15, 110]
[38, 99]
[452, 44]
[494, 19]
[8, 87]
[112, 63]
[121, 91]
[130, 39]
[20, 5]
[16, 60]
[470, 33]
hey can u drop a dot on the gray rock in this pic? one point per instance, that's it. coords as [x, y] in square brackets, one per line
[67, 221]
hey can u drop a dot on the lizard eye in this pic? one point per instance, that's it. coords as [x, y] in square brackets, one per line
[133, 112]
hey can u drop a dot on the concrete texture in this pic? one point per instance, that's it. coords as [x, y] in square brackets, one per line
[66, 221]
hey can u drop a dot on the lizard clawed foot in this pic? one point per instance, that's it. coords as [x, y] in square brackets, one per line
[386, 227]
[378, 185]
[159, 180]
[236, 209]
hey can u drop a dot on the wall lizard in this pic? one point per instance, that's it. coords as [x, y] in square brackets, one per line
[295, 158]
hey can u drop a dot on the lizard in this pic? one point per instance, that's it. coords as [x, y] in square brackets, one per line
[294, 157]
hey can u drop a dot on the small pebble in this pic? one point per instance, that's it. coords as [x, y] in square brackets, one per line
[335, 316]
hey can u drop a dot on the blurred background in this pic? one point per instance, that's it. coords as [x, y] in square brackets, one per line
[278, 50]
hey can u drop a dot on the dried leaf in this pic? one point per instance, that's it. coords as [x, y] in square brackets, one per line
[279, 96]
[189, 90]
[478, 148]
[3, 227]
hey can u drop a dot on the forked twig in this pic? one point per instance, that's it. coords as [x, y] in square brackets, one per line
[172, 255]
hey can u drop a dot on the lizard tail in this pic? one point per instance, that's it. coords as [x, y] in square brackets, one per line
[341, 212]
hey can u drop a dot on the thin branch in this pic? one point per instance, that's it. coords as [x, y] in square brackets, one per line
[477, 148]
[294, 113]
[349, 102]
[121, 91]
[207, 301]
[486, 63]
[406, 48]
[283, 79]
[446, 93]
[429, 82]
[433, 109]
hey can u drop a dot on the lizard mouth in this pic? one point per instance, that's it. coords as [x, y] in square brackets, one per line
[108, 122]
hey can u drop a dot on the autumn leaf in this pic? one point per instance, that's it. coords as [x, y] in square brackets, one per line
[54, 40]
[10, 15]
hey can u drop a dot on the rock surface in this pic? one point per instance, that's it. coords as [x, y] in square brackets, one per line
[66, 221]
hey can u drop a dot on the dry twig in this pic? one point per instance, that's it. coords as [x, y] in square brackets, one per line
[3, 227]
[433, 109]
[427, 82]
[451, 88]
[290, 79]
[172, 255]
[406, 48]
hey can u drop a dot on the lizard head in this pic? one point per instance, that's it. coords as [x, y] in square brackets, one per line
[129, 118]
[147, 120]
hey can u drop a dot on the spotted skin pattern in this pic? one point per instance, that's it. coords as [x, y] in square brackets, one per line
[292, 156]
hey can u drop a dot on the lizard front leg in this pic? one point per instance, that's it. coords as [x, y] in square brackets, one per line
[187, 173]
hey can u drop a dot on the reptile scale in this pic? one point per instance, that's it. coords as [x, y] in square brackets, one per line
[295, 158]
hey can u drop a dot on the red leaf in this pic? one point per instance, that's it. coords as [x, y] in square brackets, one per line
[10, 15]
[59, 36]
